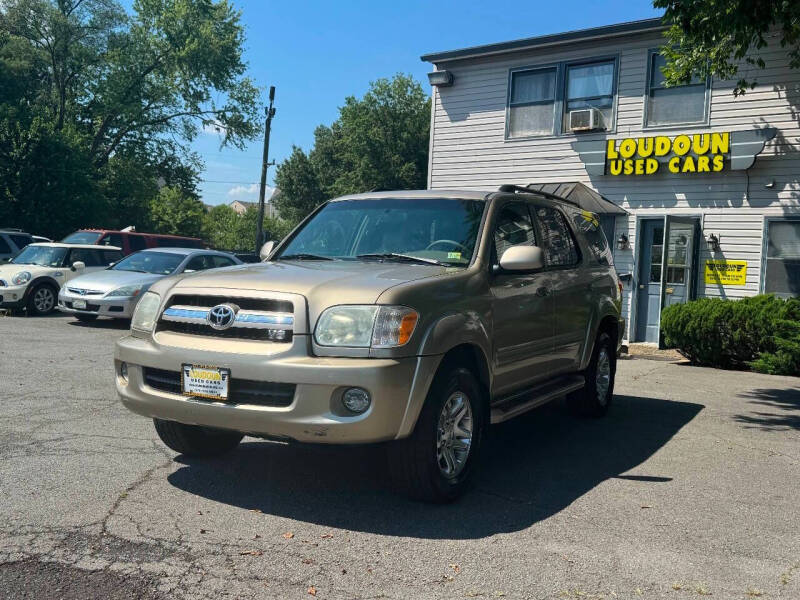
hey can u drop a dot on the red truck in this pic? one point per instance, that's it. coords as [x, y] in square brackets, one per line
[131, 241]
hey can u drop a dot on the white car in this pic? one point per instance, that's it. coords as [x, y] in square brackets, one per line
[34, 276]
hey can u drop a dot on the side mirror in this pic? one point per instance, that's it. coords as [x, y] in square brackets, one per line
[78, 265]
[266, 250]
[522, 258]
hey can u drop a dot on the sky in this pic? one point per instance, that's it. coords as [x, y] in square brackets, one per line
[316, 53]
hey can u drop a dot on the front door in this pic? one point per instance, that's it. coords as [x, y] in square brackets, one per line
[678, 276]
[522, 307]
[667, 274]
[649, 292]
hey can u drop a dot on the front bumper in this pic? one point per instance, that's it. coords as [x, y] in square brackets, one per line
[116, 307]
[397, 386]
[13, 296]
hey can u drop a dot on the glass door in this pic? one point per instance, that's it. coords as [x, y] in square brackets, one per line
[680, 257]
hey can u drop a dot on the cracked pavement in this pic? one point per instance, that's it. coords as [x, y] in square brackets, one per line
[689, 486]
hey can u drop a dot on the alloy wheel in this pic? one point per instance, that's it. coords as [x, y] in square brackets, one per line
[44, 300]
[603, 376]
[454, 435]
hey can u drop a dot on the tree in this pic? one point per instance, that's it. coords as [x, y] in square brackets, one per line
[378, 141]
[176, 213]
[227, 229]
[712, 37]
[97, 105]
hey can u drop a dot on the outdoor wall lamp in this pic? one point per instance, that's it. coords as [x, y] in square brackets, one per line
[441, 78]
[622, 242]
[713, 243]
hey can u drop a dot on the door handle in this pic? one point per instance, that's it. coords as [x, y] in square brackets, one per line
[542, 291]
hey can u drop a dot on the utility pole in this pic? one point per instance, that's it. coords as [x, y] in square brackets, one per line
[270, 112]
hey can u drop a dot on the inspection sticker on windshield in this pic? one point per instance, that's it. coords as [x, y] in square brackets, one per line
[455, 255]
[205, 382]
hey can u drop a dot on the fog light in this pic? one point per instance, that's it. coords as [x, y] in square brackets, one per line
[356, 400]
[123, 371]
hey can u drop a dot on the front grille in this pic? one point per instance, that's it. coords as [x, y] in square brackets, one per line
[265, 304]
[84, 292]
[241, 391]
[235, 333]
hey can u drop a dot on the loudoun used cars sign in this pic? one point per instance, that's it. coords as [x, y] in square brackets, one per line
[681, 154]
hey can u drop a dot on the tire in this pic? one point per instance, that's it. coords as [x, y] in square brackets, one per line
[594, 399]
[417, 466]
[42, 300]
[85, 318]
[193, 440]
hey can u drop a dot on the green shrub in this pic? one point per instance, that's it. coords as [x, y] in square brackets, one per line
[760, 332]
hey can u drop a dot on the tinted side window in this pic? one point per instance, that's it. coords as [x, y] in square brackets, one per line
[136, 242]
[91, 258]
[110, 256]
[513, 228]
[589, 225]
[21, 240]
[4, 247]
[111, 239]
[221, 261]
[200, 263]
[560, 249]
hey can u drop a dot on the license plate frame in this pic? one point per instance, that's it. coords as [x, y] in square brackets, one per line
[199, 381]
[79, 304]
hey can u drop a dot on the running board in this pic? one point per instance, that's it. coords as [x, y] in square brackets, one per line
[516, 404]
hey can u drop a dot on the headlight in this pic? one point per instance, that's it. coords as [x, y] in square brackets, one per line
[128, 290]
[144, 317]
[365, 326]
[21, 278]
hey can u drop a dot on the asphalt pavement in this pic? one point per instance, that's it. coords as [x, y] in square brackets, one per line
[689, 487]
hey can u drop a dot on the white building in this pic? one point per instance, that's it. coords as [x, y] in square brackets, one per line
[714, 176]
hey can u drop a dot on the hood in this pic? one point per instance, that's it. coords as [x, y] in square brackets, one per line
[8, 270]
[323, 283]
[108, 280]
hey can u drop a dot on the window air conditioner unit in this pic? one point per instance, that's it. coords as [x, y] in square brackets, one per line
[586, 119]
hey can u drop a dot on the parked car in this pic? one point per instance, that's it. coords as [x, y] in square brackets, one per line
[11, 242]
[33, 277]
[417, 318]
[131, 241]
[115, 291]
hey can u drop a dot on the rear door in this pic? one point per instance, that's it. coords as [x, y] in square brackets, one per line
[522, 310]
[569, 286]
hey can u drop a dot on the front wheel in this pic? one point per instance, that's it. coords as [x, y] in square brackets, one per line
[42, 300]
[436, 463]
[193, 440]
[594, 398]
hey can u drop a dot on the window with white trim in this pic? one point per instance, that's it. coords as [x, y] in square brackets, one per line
[676, 105]
[783, 259]
[590, 85]
[532, 102]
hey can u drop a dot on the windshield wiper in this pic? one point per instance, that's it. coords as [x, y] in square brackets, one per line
[406, 257]
[304, 256]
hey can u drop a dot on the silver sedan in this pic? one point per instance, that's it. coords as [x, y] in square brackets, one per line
[114, 292]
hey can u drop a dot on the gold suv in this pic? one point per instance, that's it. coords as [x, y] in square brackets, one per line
[414, 318]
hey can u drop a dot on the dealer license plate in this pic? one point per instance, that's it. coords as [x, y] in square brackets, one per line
[205, 382]
[79, 304]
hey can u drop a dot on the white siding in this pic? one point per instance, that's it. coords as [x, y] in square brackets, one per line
[469, 149]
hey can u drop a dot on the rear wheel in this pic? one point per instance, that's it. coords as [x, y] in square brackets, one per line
[595, 397]
[436, 463]
[85, 318]
[193, 440]
[42, 300]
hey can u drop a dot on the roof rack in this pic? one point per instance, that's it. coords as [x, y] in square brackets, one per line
[509, 187]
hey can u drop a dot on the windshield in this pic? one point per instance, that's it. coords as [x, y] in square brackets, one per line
[440, 230]
[82, 237]
[158, 263]
[44, 256]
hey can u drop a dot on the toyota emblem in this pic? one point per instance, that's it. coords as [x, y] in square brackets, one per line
[222, 316]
